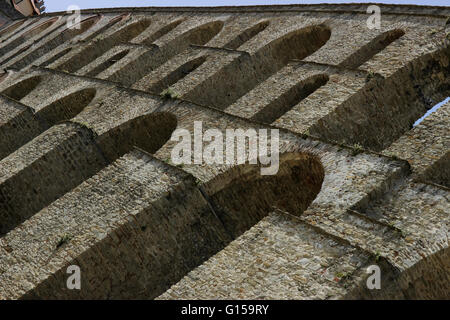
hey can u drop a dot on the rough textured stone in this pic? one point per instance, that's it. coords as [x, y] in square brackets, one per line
[86, 176]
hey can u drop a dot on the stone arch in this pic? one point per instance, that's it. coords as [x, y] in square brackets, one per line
[246, 35]
[108, 63]
[239, 203]
[21, 89]
[130, 31]
[9, 29]
[111, 23]
[60, 39]
[427, 279]
[162, 52]
[246, 72]
[202, 34]
[100, 47]
[148, 132]
[56, 57]
[199, 35]
[162, 31]
[178, 74]
[297, 44]
[72, 154]
[393, 104]
[375, 46]
[27, 35]
[180, 227]
[67, 107]
[282, 104]
[27, 125]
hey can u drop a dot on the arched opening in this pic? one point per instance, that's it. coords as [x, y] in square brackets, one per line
[66, 108]
[296, 44]
[290, 98]
[108, 63]
[138, 68]
[27, 125]
[7, 30]
[179, 228]
[180, 73]
[61, 38]
[111, 23]
[21, 89]
[239, 202]
[202, 34]
[385, 109]
[27, 35]
[67, 154]
[148, 132]
[247, 35]
[161, 32]
[428, 279]
[245, 73]
[96, 50]
[375, 46]
[56, 57]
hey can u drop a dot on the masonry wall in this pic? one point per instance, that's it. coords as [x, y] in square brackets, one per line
[86, 176]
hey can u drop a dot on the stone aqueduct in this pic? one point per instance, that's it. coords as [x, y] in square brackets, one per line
[86, 176]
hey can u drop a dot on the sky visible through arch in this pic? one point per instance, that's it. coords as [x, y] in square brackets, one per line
[437, 106]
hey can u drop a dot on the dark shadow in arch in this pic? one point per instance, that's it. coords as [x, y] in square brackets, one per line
[66, 108]
[282, 104]
[9, 29]
[246, 72]
[108, 63]
[111, 23]
[384, 109]
[242, 196]
[101, 46]
[375, 46]
[204, 33]
[177, 75]
[181, 231]
[76, 154]
[56, 57]
[247, 35]
[428, 279]
[27, 35]
[161, 32]
[21, 89]
[138, 68]
[296, 44]
[60, 39]
[199, 35]
[148, 132]
[28, 125]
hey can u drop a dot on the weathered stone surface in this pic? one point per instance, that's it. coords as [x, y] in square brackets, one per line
[87, 178]
[426, 147]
